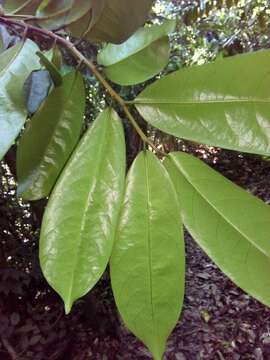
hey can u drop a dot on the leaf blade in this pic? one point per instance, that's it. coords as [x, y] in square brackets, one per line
[49, 138]
[153, 255]
[15, 66]
[211, 104]
[230, 224]
[78, 227]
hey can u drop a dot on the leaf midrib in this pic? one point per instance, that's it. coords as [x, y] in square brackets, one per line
[145, 101]
[216, 209]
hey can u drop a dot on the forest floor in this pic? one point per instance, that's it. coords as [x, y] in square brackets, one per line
[219, 321]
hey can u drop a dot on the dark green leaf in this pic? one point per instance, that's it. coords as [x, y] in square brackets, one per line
[139, 58]
[53, 14]
[231, 225]
[28, 7]
[49, 138]
[115, 22]
[80, 220]
[16, 64]
[51, 67]
[225, 103]
[147, 263]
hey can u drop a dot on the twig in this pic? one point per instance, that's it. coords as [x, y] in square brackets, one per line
[82, 59]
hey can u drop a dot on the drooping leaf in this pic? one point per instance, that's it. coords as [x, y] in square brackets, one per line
[231, 225]
[225, 103]
[15, 66]
[79, 224]
[54, 14]
[52, 68]
[117, 20]
[147, 263]
[36, 89]
[139, 58]
[27, 7]
[49, 138]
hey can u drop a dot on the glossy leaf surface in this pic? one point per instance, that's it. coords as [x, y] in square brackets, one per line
[49, 138]
[147, 263]
[225, 103]
[141, 57]
[16, 64]
[231, 225]
[79, 224]
[117, 20]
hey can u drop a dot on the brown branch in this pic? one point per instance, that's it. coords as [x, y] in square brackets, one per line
[81, 60]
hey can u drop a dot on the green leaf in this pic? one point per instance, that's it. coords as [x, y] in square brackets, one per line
[28, 7]
[139, 58]
[147, 263]
[52, 68]
[49, 138]
[231, 225]
[16, 64]
[113, 20]
[54, 14]
[79, 224]
[225, 103]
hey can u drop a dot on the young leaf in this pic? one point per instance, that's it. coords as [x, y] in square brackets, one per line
[79, 224]
[139, 58]
[16, 64]
[225, 103]
[49, 138]
[117, 20]
[147, 263]
[231, 225]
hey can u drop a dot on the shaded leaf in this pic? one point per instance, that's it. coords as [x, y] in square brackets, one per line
[28, 7]
[139, 58]
[79, 224]
[56, 14]
[147, 263]
[51, 67]
[225, 103]
[49, 138]
[15, 66]
[36, 89]
[116, 21]
[231, 225]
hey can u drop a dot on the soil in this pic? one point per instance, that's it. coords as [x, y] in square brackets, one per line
[219, 321]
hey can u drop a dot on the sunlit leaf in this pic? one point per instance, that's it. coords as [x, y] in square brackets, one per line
[231, 225]
[16, 64]
[139, 58]
[225, 103]
[80, 220]
[147, 263]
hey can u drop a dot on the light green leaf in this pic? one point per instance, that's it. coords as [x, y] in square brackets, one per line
[139, 58]
[54, 14]
[115, 22]
[225, 103]
[16, 64]
[79, 224]
[49, 138]
[147, 263]
[231, 225]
